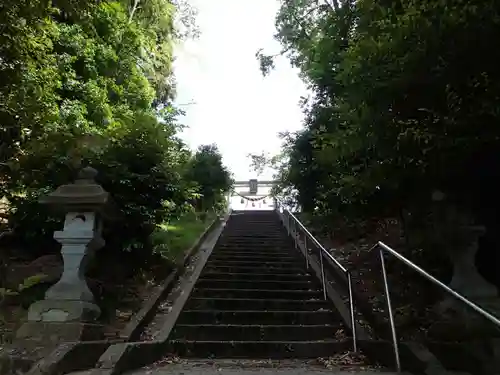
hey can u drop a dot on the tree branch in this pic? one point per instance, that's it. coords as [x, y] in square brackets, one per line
[133, 10]
[335, 7]
[299, 22]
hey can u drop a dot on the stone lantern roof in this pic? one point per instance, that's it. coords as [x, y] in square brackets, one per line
[84, 195]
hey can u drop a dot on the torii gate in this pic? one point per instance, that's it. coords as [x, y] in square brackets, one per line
[253, 187]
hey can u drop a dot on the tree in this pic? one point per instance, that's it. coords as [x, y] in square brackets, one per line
[212, 179]
[87, 82]
[404, 102]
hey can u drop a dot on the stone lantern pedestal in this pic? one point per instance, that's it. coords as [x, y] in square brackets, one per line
[466, 278]
[460, 322]
[68, 312]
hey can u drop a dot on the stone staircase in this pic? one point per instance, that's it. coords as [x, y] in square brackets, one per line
[254, 308]
[255, 299]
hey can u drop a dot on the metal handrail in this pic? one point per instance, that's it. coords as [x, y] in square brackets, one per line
[322, 252]
[289, 218]
[383, 247]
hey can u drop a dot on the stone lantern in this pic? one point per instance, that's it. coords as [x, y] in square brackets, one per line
[85, 204]
[459, 235]
[466, 278]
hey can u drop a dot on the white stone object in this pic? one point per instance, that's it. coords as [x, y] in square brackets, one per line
[466, 278]
[80, 238]
[70, 299]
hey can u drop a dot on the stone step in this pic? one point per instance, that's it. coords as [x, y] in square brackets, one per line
[249, 231]
[256, 252]
[254, 258]
[260, 269]
[255, 219]
[273, 218]
[265, 222]
[258, 349]
[262, 221]
[250, 244]
[256, 249]
[254, 235]
[240, 366]
[254, 264]
[235, 332]
[267, 245]
[258, 293]
[265, 225]
[249, 249]
[210, 303]
[288, 317]
[256, 276]
[269, 216]
[256, 284]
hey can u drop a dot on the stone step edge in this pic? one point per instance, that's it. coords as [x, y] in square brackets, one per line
[346, 340]
[262, 275]
[260, 312]
[224, 262]
[219, 290]
[254, 300]
[255, 281]
[289, 269]
[284, 326]
[252, 253]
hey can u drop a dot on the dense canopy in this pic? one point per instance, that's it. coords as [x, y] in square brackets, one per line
[404, 101]
[91, 83]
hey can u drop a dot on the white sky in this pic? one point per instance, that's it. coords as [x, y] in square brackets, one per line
[234, 105]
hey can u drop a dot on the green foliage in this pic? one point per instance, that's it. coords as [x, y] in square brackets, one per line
[172, 240]
[405, 101]
[27, 283]
[140, 170]
[211, 178]
[91, 83]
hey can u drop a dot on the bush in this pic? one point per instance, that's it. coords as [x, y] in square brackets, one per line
[137, 166]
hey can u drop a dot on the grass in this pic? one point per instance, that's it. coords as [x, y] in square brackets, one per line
[172, 240]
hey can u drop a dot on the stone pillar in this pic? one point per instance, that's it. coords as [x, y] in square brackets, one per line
[79, 240]
[455, 321]
[69, 308]
[459, 237]
[466, 278]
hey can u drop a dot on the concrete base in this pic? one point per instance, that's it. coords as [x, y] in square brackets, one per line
[262, 367]
[63, 311]
[37, 340]
[461, 323]
[55, 333]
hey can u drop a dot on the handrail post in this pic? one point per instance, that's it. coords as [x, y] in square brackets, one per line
[353, 318]
[295, 234]
[389, 311]
[322, 273]
[306, 250]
